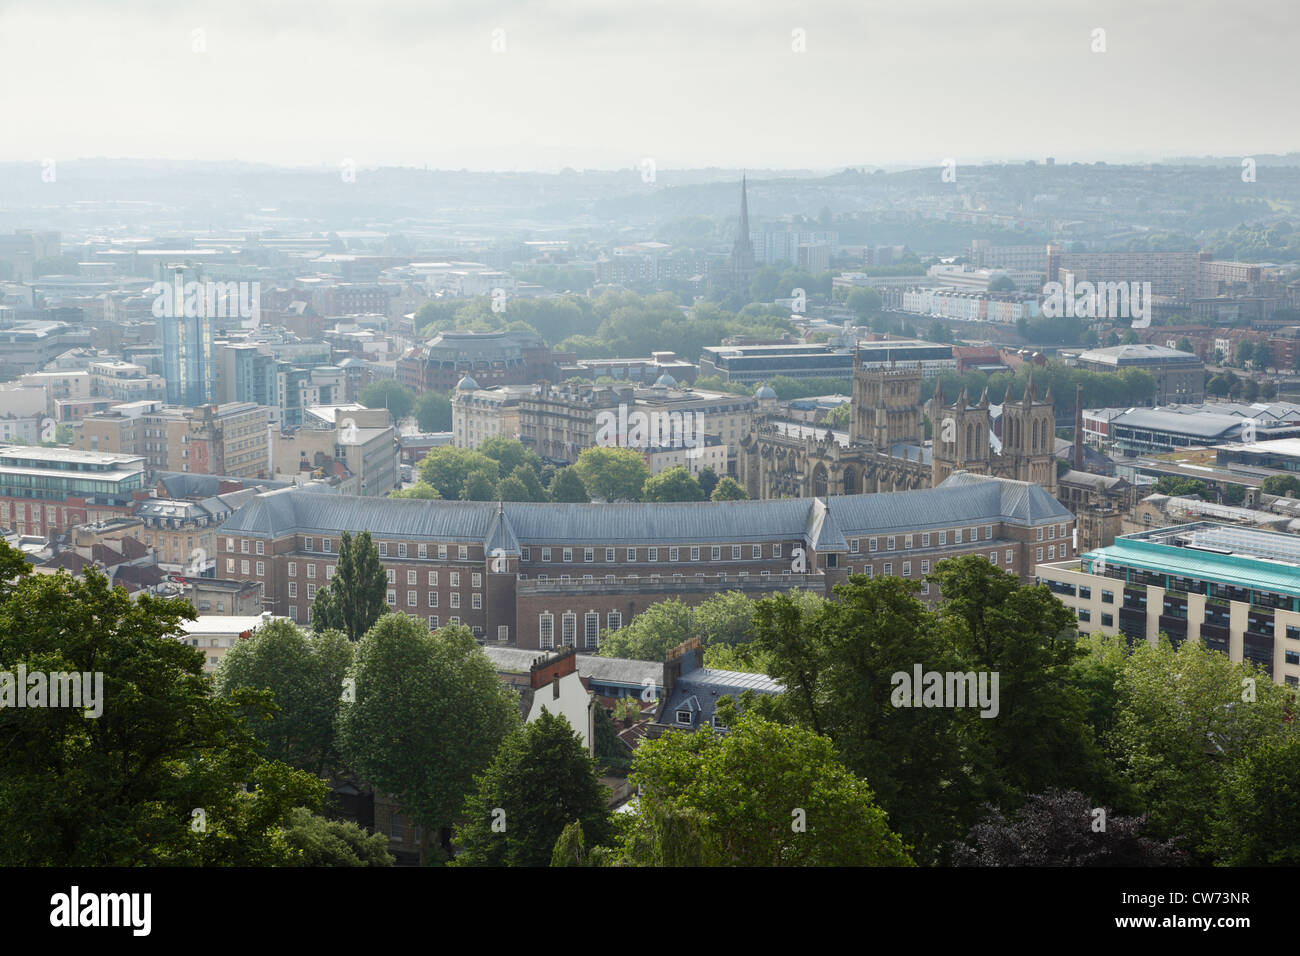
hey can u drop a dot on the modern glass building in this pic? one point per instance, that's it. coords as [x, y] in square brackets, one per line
[1235, 589]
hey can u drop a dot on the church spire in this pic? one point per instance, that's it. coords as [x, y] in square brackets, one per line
[744, 212]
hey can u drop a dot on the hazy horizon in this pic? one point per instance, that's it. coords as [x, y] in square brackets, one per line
[595, 86]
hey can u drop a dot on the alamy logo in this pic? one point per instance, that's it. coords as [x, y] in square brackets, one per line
[214, 299]
[1100, 300]
[26, 688]
[75, 909]
[946, 689]
[638, 429]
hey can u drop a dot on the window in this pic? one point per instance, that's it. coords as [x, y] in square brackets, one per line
[956, 536]
[1107, 597]
[432, 578]
[943, 538]
[455, 579]
[869, 570]
[453, 620]
[1108, 620]
[464, 552]
[717, 554]
[756, 552]
[433, 622]
[526, 554]
[411, 577]
[1051, 552]
[476, 580]
[546, 554]
[422, 551]
[718, 724]
[1039, 555]
[568, 555]
[1040, 534]
[383, 548]
[591, 629]
[874, 544]
[261, 547]
[243, 545]
[631, 554]
[735, 552]
[588, 554]
[613, 620]
[569, 629]
[455, 599]
[503, 632]
[401, 550]
[1293, 657]
[889, 569]
[925, 540]
[442, 552]
[988, 532]
[546, 630]
[1009, 556]
[776, 551]
[684, 717]
[476, 601]
[1085, 615]
[392, 576]
[695, 554]
[672, 554]
[925, 567]
[433, 599]
[907, 569]
[230, 565]
[392, 598]
[609, 556]
[412, 599]
[1085, 593]
[293, 589]
[907, 543]
[243, 567]
[653, 554]
[261, 568]
[311, 570]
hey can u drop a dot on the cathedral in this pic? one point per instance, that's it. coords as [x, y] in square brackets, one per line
[738, 272]
[885, 448]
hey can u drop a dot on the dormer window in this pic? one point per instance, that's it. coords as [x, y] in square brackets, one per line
[684, 717]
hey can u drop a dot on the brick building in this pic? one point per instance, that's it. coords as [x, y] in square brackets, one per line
[549, 575]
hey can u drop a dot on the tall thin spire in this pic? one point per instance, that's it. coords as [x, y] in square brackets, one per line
[744, 212]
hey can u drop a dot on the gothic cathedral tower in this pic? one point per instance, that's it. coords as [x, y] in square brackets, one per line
[886, 406]
[1029, 438]
[960, 436]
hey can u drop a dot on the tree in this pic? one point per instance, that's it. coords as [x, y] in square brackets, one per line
[613, 474]
[865, 302]
[1184, 719]
[387, 393]
[116, 779]
[315, 841]
[571, 850]
[355, 598]
[1280, 485]
[433, 412]
[304, 673]
[708, 480]
[1185, 345]
[532, 485]
[728, 489]
[1245, 352]
[1180, 487]
[448, 467]
[1258, 818]
[543, 780]
[566, 486]
[761, 795]
[672, 484]
[510, 455]
[1063, 828]
[1218, 386]
[421, 490]
[481, 486]
[650, 635]
[1002, 283]
[430, 713]
[1263, 357]
[836, 662]
[938, 332]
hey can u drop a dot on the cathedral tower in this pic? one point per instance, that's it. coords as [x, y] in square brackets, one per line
[886, 406]
[961, 436]
[1029, 437]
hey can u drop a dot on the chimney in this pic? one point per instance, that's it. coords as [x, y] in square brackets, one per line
[1078, 428]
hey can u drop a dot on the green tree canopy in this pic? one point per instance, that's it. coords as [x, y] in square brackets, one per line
[614, 474]
[728, 489]
[566, 486]
[761, 795]
[448, 467]
[540, 781]
[672, 484]
[355, 598]
[387, 393]
[433, 412]
[316, 841]
[121, 787]
[429, 715]
[304, 673]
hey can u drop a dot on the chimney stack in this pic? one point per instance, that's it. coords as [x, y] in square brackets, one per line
[1078, 428]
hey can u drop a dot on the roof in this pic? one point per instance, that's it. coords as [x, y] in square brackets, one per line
[1139, 353]
[1204, 425]
[961, 499]
[604, 670]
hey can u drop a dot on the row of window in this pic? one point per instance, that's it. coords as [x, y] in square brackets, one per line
[652, 554]
[959, 536]
[569, 628]
[413, 598]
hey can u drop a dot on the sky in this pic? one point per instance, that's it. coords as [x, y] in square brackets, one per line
[606, 84]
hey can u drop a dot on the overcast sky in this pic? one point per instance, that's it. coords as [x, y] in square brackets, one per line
[606, 83]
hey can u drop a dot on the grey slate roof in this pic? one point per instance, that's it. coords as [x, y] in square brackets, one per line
[961, 499]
